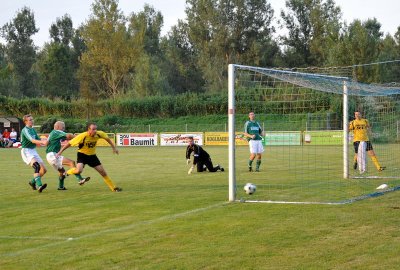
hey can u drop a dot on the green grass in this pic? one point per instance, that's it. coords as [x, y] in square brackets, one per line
[166, 219]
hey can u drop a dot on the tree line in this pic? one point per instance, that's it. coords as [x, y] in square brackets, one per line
[117, 56]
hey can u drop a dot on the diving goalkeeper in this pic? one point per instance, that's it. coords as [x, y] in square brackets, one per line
[201, 158]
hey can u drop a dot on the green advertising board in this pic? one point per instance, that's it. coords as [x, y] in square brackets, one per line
[329, 137]
[282, 138]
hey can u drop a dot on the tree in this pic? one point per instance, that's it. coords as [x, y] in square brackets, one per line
[110, 54]
[62, 30]
[313, 29]
[20, 49]
[360, 44]
[149, 72]
[58, 61]
[183, 73]
[224, 31]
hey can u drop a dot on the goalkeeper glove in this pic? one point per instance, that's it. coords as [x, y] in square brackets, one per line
[191, 170]
[188, 161]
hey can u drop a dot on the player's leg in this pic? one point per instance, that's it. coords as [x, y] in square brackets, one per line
[31, 158]
[200, 166]
[373, 157]
[259, 150]
[250, 162]
[355, 144]
[39, 171]
[75, 170]
[100, 169]
[57, 163]
[258, 162]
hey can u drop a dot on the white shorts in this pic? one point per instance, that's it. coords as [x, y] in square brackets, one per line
[256, 146]
[28, 154]
[54, 161]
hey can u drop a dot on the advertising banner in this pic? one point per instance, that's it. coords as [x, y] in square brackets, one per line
[136, 139]
[328, 137]
[179, 139]
[222, 138]
[282, 138]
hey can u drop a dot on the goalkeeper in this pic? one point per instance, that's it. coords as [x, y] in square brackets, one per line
[360, 127]
[201, 158]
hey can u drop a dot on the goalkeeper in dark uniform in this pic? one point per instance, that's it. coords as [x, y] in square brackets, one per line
[201, 158]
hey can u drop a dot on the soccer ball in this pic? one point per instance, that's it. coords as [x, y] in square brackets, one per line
[250, 188]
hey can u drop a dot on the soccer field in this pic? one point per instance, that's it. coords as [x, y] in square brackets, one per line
[166, 219]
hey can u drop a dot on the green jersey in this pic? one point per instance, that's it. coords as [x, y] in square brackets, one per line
[55, 138]
[27, 134]
[253, 128]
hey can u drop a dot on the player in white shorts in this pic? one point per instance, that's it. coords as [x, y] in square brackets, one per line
[29, 140]
[253, 131]
[56, 136]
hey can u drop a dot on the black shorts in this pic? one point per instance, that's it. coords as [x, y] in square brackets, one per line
[357, 143]
[90, 160]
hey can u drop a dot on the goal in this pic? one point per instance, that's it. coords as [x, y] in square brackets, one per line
[305, 115]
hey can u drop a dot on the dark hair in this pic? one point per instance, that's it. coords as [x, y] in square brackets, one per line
[190, 137]
[89, 124]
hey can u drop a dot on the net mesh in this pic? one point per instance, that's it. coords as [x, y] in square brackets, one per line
[301, 112]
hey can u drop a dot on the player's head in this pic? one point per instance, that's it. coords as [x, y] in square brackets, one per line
[190, 140]
[91, 129]
[59, 125]
[357, 115]
[252, 116]
[28, 120]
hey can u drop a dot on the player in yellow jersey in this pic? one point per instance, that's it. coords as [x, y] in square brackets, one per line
[86, 143]
[360, 127]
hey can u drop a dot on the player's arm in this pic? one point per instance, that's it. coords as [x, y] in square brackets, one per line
[67, 145]
[351, 126]
[36, 140]
[111, 143]
[188, 152]
[196, 154]
[245, 133]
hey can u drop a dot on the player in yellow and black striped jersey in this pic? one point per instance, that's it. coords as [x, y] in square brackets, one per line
[86, 143]
[360, 127]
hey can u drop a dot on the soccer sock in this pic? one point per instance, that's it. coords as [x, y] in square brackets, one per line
[355, 159]
[33, 181]
[78, 176]
[250, 163]
[71, 171]
[376, 162]
[61, 181]
[109, 182]
[258, 163]
[38, 181]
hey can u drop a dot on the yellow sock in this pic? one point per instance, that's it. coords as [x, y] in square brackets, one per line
[355, 159]
[71, 171]
[376, 162]
[109, 182]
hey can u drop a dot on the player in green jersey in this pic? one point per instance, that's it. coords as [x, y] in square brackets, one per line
[29, 140]
[56, 136]
[253, 131]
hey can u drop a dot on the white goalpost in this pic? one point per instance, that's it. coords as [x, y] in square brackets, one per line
[308, 148]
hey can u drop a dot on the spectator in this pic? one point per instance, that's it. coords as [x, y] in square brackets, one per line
[6, 137]
[13, 136]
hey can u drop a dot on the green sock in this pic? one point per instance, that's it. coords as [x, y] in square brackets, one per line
[33, 181]
[38, 181]
[258, 162]
[250, 163]
[78, 177]
[61, 181]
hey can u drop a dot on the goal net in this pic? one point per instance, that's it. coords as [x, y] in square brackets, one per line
[308, 150]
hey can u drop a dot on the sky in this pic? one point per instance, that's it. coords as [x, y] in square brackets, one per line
[47, 11]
